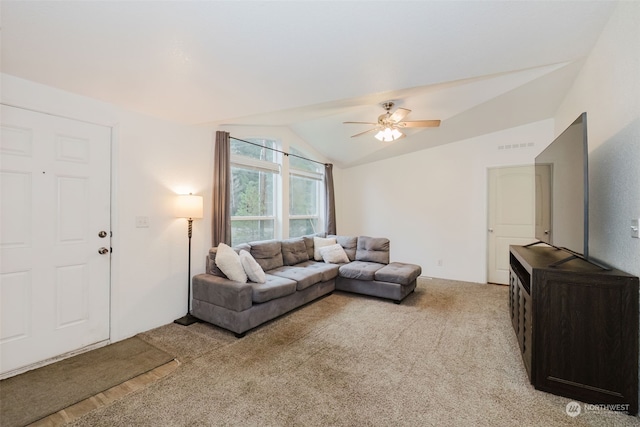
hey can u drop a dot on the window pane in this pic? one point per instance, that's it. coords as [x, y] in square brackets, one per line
[303, 196]
[247, 231]
[302, 227]
[301, 164]
[252, 192]
[249, 150]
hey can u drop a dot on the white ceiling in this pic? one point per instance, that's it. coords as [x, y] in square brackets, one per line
[479, 66]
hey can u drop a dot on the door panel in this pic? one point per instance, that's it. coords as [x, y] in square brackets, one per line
[511, 216]
[54, 285]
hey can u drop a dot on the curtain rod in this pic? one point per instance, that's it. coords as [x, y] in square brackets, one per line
[279, 151]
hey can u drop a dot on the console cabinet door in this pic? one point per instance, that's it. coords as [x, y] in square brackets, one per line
[583, 327]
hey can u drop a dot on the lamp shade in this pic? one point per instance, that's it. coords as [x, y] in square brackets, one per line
[189, 206]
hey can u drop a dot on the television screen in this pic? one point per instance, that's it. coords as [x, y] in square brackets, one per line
[562, 190]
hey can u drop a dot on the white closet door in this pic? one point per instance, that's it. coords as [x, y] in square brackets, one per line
[511, 216]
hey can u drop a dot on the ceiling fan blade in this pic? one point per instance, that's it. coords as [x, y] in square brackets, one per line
[360, 123]
[362, 133]
[399, 114]
[420, 124]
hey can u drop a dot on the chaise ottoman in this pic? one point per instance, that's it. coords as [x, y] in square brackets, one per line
[392, 281]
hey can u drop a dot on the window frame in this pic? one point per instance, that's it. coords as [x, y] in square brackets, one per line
[265, 166]
[316, 176]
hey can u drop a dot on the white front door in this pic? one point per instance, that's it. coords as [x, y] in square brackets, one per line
[511, 216]
[54, 284]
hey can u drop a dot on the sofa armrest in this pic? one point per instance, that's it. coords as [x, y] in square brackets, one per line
[223, 292]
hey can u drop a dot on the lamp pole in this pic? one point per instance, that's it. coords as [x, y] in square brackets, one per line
[188, 319]
[189, 267]
[191, 207]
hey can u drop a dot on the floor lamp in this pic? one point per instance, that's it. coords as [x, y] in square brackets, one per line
[190, 207]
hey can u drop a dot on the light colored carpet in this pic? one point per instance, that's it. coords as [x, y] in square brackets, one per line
[447, 356]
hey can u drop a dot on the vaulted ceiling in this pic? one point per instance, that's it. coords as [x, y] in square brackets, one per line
[479, 66]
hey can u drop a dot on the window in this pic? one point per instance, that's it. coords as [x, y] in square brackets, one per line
[254, 171]
[258, 209]
[305, 184]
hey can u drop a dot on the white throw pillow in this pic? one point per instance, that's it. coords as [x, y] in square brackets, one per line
[255, 273]
[320, 242]
[334, 254]
[228, 261]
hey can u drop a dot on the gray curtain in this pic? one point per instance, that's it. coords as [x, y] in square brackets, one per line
[330, 203]
[221, 218]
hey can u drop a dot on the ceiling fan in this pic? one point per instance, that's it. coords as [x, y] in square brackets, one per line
[389, 124]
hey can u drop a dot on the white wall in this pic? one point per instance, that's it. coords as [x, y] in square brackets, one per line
[432, 204]
[153, 160]
[608, 89]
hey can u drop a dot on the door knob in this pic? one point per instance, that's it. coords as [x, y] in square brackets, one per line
[491, 230]
[103, 251]
[102, 234]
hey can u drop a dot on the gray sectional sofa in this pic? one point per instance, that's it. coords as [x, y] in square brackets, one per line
[294, 278]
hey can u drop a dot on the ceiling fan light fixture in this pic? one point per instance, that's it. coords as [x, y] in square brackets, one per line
[388, 134]
[388, 124]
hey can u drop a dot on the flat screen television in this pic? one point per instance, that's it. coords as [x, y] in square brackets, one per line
[562, 191]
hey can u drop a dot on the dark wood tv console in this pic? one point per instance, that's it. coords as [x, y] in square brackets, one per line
[576, 325]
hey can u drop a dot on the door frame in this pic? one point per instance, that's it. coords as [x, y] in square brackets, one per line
[114, 129]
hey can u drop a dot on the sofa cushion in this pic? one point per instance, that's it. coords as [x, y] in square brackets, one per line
[398, 272]
[267, 253]
[273, 287]
[334, 254]
[349, 244]
[212, 268]
[255, 273]
[373, 249]
[308, 243]
[361, 270]
[319, 242]
[304, 276]
[242, 247]
[294, 251]
[329, 271]
[228, 261]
